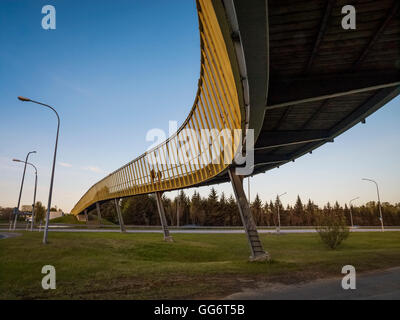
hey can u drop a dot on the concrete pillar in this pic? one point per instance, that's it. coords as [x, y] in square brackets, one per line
[98, 211]
[86, 216]
[163, 219]
[257, 251]
[119, 214]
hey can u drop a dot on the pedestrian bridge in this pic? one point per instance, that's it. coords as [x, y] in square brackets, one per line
[285, 72]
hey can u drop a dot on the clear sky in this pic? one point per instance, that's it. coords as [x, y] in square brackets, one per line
[116, 69]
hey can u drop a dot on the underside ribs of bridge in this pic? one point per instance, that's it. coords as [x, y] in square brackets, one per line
[98, 211]
[294, 91]
[163, 219]
[119, 214]
[257, 251]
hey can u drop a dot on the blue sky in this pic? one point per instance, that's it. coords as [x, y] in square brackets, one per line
[116, 69]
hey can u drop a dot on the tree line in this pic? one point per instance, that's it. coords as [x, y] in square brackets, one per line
[6, 214]
[219, 210]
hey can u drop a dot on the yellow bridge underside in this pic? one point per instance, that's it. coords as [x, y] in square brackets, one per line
[216, 108]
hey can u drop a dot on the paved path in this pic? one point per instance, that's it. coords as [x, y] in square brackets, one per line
[222, 231]
[4, 235]
[369, 286]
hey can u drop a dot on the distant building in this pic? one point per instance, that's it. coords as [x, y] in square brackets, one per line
[56, 214]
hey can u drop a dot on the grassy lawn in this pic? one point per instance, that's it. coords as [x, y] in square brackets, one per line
[70, 219]
[142, 266]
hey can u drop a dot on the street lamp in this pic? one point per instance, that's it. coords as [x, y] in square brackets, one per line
[279, 216]
[20, 190]
[54, 164]
[379, 201]
[351, 214]
[34, 193]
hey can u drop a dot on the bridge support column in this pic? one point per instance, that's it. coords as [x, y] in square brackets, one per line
[119, 214]
[163, 219]
[86, 216]
[98, 211]
[257, 251]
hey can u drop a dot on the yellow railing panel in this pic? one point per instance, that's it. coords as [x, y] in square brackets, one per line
[183, 159]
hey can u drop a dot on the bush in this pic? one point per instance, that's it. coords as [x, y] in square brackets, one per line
[332, 230]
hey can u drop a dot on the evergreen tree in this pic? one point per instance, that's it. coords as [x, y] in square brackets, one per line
[233, 212]
[268, 214]
[197, 213]
[212, 216]
[256, 208]
[140, 210]
[298, 213]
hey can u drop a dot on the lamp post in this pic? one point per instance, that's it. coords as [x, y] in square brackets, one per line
[351, 214]
[379, 201]
[53, 168]
[34, 193]
[279, 216]
[20, 190]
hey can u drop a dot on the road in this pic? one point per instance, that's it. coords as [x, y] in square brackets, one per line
[214, 231]
[380, 285]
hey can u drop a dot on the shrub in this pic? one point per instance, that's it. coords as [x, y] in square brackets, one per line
[332, 230]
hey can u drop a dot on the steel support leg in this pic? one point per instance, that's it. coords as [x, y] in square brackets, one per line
[98, 211]
[119, 214]
[86, 216]
[257, 251]
[163, 219]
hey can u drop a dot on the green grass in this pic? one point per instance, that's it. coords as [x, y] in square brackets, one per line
[71, 219]
[142, 266]
[67, 219]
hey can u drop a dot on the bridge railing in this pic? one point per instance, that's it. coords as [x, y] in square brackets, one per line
[195, 153]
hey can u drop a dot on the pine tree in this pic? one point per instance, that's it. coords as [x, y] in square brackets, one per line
[310, 213]
[212, 208]
[298, 212]
[213, 196]
[233, 212]
[256, 208]
[196, 211]
[268, 214]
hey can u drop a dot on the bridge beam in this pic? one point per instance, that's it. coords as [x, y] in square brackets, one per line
[98, 211]
[119, 214]
[257, 250]
[294, 91]
[272, 139]
[163, 219]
